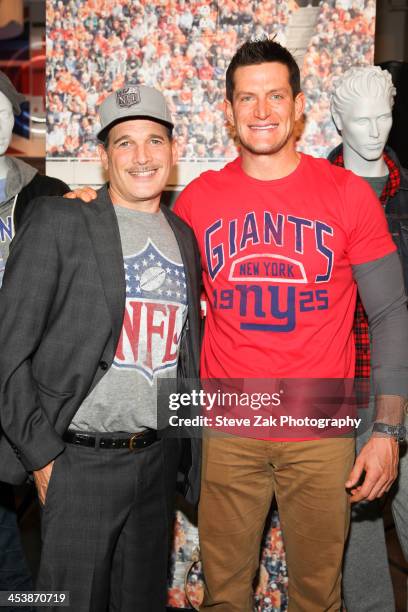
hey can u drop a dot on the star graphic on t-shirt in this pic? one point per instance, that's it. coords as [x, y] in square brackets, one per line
[157, 276]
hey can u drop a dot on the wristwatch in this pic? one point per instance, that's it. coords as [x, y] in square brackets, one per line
[399, 432]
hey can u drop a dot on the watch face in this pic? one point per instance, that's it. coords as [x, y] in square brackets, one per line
[401, 433]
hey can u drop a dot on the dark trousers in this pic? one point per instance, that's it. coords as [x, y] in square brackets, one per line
[14, 572]
[106, 527]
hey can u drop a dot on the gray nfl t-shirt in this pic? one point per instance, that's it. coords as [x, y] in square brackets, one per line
[6, 226]
[156, 310]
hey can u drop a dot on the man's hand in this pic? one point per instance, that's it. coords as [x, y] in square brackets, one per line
[379, 460]
[86, 194]
[41, 479]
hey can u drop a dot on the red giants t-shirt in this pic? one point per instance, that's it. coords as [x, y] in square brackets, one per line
[277, 259]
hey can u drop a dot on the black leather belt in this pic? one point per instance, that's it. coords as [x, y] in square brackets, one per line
[134, 441]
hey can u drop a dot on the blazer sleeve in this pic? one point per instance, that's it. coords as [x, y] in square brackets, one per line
[40, 186]
[29, 284]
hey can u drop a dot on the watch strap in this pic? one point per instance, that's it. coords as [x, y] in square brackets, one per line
[398, 432]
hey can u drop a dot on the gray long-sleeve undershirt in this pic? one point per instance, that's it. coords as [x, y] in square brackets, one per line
[381, 288]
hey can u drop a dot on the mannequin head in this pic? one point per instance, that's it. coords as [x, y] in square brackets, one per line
[361, 108]
[10, 102]
[6, 123]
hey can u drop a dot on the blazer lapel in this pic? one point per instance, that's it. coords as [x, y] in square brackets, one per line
[104, 233]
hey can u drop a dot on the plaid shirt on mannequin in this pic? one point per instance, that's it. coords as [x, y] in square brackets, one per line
[360, 326]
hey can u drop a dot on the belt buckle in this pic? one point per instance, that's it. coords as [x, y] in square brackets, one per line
[132, 439]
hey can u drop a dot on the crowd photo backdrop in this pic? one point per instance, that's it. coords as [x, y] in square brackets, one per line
[183, 48]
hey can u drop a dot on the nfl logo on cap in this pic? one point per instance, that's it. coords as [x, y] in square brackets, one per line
[127, 97]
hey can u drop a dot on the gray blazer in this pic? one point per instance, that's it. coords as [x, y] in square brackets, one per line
[61, 311]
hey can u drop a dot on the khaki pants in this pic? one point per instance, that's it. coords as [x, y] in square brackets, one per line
[240, 478]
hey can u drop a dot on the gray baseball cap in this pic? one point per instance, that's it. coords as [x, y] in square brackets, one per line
[130, 102]
[11, 93]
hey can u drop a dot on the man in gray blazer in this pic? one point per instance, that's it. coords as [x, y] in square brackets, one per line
[99, 302]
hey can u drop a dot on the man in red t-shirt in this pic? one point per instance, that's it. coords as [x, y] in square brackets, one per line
[285, 240]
